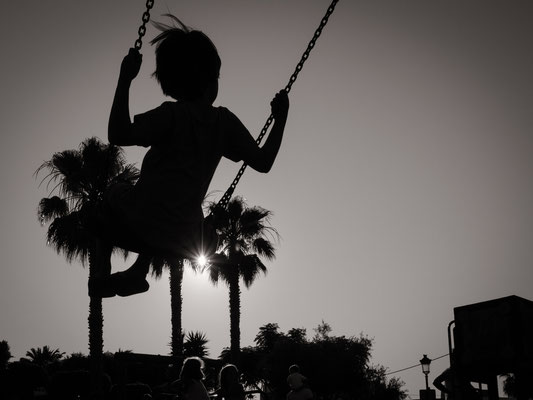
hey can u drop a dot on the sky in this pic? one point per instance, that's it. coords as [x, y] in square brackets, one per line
[403, 187]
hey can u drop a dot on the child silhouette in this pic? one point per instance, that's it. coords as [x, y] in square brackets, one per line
[230, 387]
[161, 215]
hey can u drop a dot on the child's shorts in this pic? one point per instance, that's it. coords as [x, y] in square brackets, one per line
[124, 224]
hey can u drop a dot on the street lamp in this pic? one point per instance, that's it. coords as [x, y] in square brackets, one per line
[425, 362]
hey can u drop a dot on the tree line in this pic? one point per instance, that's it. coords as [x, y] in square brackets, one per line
[337, 367]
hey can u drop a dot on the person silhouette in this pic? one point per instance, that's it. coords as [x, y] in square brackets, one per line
[230, 387]
[298, 385]
[161, 215]
[453, 384]
[189, 386]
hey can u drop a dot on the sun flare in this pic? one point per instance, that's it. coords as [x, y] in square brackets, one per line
[201, 260]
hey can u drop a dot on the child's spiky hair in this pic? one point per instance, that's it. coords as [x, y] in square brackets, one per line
[187, 61]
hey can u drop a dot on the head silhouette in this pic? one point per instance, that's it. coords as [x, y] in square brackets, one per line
[192, 368]
[228, 376]
[294, 369]
[187, 62]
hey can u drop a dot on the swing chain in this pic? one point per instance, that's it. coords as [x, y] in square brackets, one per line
[223, 202]
[311, 45]
[142, 28]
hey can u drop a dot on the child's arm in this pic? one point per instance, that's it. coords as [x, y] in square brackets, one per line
[119, 131]
[262, 158]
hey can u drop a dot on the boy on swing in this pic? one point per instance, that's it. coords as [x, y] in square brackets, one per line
[161, 215]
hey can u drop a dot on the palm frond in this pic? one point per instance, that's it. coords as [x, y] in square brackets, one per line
[95, 174]
[218, 259]
[46, 165]
[114, 161]
[50, 208]
[250, 267]
[101, 163]
[123, 253]
[217, 267]
[264, 248]
[241, 244]
[129, 174]
[253, 221]
[66, 169]
[235, 207]
[158, 265]
[214, 274]
[196, 337]
[219, 217]
[69, 236]
[63, 172]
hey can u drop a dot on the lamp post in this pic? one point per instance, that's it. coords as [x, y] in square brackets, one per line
[425, 362]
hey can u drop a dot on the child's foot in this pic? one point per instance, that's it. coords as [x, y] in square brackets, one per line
[128, 283]
[101, 287]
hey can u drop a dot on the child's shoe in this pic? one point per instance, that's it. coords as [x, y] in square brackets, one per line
[127, 283]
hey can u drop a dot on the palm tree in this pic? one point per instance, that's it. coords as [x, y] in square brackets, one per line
[243, 239]
[44, 356]
[79, 179]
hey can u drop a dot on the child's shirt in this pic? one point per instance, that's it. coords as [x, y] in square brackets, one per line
[186, 141]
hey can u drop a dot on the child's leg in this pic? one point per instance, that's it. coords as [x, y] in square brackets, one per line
[140, 267]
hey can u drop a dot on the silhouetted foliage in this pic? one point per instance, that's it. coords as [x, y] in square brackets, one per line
[267, 337]
[336, 366]
[195, 345]
[322, 331]
[297, 335]
[44, 356]
[75, 361]
[5, 354]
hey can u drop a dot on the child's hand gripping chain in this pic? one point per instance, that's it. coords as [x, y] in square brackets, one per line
[280, 105]
[131, 65]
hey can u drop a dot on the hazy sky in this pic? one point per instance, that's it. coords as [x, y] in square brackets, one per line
[403, 187]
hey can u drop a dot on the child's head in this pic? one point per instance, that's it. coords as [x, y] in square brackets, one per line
[228, 376]
[294, 369]
[192, 368]
[187, 62]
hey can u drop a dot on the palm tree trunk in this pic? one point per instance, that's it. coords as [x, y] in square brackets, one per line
[176, 302]
[96, 329]
[235, 317]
